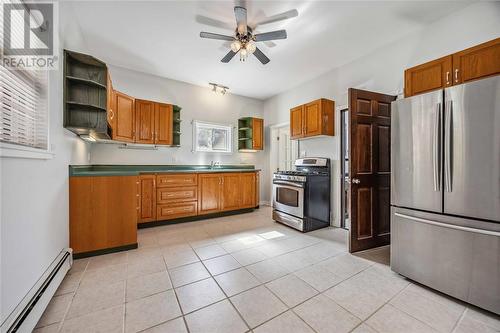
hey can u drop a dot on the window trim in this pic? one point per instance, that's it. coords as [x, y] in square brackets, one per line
[9, 150]
[215, 125]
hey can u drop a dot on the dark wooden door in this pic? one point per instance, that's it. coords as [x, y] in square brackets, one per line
[145, 121]
[370, 168]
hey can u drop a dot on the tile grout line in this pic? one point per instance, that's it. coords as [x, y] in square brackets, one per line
[229, 300]
[175, 293]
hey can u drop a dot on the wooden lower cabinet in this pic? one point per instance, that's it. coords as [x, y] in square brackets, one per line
[177, 194]
[247, 185]
[177, 210]
[102, 212]
[209, 193]
[190, 194]
[231, 191]
[147, 197]
[177, 179]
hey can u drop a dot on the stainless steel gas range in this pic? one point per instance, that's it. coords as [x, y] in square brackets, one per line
[301, 198]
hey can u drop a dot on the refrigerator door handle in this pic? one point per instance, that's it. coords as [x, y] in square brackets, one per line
[449, 226]
[435, 148]
[448, 145]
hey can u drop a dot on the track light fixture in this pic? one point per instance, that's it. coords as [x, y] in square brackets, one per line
[217, 88]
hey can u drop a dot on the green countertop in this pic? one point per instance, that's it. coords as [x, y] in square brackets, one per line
[133, 170]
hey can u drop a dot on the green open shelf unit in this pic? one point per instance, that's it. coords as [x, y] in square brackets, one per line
[176, 127]
[85, 94]
[245, 135]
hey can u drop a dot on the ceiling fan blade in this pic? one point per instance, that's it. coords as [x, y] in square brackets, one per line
[214, 22]
[279, 17]
[228, 56]
[273, 35]
[215, 36]
[261, 56]
[241, 19]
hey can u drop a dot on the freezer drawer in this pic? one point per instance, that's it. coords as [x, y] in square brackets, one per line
[472, 150]
[416, 135]
[459, 257]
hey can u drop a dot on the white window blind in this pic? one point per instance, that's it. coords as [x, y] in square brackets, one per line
[23, 111]
[23, 102]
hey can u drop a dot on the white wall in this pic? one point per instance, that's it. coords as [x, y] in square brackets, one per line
[198, 103]
[382, 71]
[34, 200]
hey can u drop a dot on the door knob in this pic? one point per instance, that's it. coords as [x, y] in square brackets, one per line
[356, 181]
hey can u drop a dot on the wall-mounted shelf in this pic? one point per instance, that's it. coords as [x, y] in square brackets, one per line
[250, 134]
[176, 127]
[85, 81]
[85, 95]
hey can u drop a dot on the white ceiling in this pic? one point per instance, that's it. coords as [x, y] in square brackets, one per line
[162, 38]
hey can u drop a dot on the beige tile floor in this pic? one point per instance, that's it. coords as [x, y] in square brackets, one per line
[246, 273]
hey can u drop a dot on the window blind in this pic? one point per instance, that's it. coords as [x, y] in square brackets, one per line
[23, 103]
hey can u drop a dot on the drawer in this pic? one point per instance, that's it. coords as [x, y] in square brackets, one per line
[176, 210]
[176, 194]
[179, 179]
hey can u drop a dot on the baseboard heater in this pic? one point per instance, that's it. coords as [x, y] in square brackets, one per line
[26, 315]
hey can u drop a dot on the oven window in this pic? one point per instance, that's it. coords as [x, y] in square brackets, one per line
[287, 196]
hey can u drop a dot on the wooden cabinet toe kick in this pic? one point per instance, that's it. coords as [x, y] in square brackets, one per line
[167, 220]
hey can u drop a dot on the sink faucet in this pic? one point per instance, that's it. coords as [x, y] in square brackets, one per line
[214, 164]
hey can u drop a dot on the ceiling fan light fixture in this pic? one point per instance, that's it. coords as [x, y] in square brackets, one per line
[235, 46]
[243, 54]
[250, 47]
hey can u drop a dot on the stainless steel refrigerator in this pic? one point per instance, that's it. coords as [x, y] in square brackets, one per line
[445, 191]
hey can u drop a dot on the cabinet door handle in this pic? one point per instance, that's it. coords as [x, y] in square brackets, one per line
[456, 75]
[111, 114]
[447, 77]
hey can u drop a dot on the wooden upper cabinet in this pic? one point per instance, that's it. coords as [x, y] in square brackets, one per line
[477, 62]
[258, 133]
[473, 63]
[230, 191]
[430, 76]
[163, 124]
[147, 210]
[124, 130]
[110, 103]
[209, 193]
[312, 119]
[248, 187]
[296, 122]
[145, 121]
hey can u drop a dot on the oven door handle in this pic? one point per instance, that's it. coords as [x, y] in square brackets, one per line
[283, 182]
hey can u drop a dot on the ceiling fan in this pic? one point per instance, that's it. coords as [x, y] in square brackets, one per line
[244, 40]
